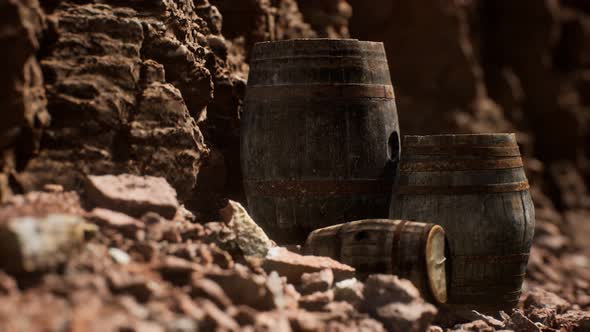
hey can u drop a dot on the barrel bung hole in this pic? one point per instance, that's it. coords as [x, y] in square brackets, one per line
[394, 146]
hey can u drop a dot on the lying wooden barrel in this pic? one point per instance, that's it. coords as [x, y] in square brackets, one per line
[475, 187]
[320, 136]
[411, 250]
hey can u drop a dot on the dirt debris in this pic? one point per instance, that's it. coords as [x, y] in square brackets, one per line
[160, 282]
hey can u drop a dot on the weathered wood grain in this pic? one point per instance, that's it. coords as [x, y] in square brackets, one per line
[399, 247]
[484, 205]
[320, 136]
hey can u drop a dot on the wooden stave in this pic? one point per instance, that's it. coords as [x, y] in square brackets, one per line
[352, 116]
[507, 282]
[357, 99]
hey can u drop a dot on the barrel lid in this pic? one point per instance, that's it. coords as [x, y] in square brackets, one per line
[496, 139]
[436, 263]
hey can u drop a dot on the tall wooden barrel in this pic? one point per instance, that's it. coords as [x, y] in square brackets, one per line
[475, 187]
[411, 250]
[320, 136]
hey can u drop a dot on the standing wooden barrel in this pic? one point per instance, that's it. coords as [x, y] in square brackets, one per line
[475, 187]
[411, 250]
[320, 136]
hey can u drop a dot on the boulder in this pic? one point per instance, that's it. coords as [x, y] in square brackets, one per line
[316, 301]
[29, 244]
[316, 281]
[381, 289]
[351, 291]
[397, 303]
[411, 317]
[293, 266]
[117, 221]
[40, 204]
[249, 236]
[133, 195]
[243, 287]
[519, 322]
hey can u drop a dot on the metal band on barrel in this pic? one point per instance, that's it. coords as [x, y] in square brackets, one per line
[463, 297]
[459, 164]
[462, 190]
[463, 149]
[294, 188]
[263, 92]
[336, 60]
